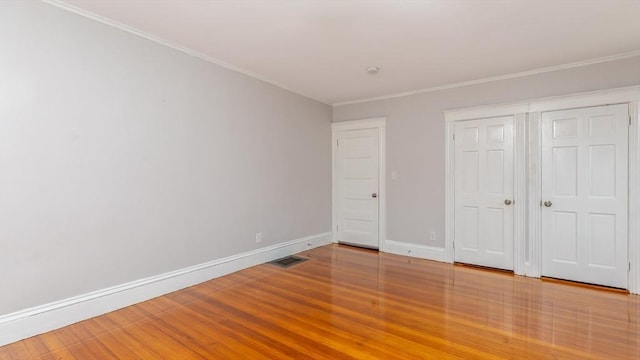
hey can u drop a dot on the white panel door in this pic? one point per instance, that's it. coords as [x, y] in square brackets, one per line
[584, 195]
[357, 187]
[483, 192]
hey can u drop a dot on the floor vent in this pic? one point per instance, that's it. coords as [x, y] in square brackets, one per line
[285, 262]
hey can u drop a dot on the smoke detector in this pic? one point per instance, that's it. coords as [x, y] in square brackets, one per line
[373, 70]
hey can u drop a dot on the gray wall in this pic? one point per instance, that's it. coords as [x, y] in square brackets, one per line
[121, 158]
[415, 137]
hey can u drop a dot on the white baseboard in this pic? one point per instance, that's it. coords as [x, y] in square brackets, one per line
[37, 320]
[415, 250]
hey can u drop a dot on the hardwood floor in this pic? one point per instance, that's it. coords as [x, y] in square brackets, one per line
[348, 303]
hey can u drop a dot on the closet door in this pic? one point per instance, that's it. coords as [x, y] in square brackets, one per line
[584, 195]
[484, 192]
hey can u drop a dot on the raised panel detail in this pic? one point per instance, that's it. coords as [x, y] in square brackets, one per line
[565, 230]
[495, 134]
[359, 208]
[470, 135]
[495, 172]
[604, 125]
[357, 147]
[471, 229]
[357, 189]
[471, 169]
[602, 240]
[565, 128]
[357, 225]
[565, 170]
[495, 230]
[358, 168]
[602, 168]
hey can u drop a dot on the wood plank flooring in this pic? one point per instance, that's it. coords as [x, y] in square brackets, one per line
[348, 303]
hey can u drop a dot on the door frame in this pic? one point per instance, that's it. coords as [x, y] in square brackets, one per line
[362, 124]
[518, 111]
[527, 180]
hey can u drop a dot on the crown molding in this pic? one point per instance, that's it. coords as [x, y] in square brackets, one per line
[571, 101]
[140, 33]
[87, 14]
[496, 78]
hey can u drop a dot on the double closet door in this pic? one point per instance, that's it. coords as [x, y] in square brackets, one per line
[584, 195]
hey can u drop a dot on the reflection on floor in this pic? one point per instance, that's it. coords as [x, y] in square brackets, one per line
[346, 303]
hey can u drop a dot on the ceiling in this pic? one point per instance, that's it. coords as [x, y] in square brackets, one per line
[322, 48]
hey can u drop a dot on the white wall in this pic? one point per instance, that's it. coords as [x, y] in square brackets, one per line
[121, 158]
[415, 137]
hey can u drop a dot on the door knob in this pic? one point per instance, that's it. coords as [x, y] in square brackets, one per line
[374, 195]
[548, 203]
[507, 202]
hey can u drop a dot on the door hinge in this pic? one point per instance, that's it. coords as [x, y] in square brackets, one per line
[454, 137]
[629, 120]
[337, 142]
[629, 270]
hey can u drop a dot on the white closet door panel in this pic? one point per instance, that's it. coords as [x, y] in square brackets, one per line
[584, 185]
[495, 239]
[565, 227]
[470, 232]
[484, 180]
